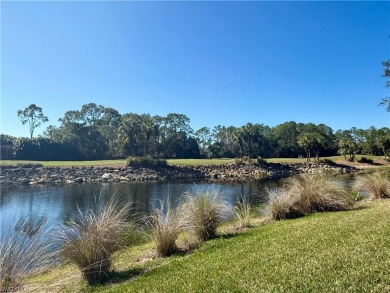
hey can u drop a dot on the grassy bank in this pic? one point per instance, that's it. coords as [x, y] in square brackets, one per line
[172, 162]
[329, 252]
[22, 163]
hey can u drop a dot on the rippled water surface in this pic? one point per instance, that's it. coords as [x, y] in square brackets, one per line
[52, 206]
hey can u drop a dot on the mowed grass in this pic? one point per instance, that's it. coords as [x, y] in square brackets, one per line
[63, 163]
[329, 252]
[172, 162]
[175, 162]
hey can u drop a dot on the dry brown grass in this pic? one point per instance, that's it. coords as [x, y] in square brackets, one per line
[21, 255]
[90, 241]
[166, 225]
[377, 185]
[206, 210]
[307, 194]
[243, 213]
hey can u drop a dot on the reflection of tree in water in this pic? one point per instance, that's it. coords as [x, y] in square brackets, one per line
[92, 197]
[32, 222]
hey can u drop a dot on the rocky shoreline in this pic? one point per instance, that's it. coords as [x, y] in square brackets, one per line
[227, 172]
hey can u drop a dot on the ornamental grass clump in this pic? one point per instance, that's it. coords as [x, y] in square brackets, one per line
[377, 185]
[319, 193]
[281, 205]
[166, 225]
[21, 255]
[91, 240]
[306, 194]
[206, 209]
[243, 213]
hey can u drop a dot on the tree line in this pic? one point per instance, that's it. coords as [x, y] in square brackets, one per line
[95, 132]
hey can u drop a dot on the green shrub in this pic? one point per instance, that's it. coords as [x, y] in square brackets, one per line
[21, 254]
[90, 241]
[377, 185]
[261, 161]
[327, 162]
[145, 162]
[366, 161]
[206, 209]
[166, 225]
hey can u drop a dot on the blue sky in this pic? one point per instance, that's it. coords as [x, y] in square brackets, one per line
[224, 63]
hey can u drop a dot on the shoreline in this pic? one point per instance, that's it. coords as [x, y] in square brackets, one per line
[216, 173]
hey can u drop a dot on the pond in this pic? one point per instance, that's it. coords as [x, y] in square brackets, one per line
[53, 206]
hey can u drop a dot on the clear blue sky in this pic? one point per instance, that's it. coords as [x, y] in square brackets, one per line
[225, 63]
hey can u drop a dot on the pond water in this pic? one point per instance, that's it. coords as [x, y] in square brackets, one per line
[53, 206]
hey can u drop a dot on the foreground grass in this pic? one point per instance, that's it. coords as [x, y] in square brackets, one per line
[328, 252]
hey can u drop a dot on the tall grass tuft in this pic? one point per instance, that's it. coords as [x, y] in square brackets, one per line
[166, 224]
[90, 241]
[307, 194]
[377, 185]
[281, 205]
[21, 254]
[243, 213]
[206, 209]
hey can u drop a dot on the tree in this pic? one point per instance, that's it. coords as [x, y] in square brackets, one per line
[386, 101]
[33, 116]
[203, 136]
[347, 143]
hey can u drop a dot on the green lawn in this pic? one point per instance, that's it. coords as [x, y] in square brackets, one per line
[329, 252]
[62, 163]
[172, 162]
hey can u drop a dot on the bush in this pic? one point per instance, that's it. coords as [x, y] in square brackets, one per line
[261, 161]
[166, 225]
[327, 162]
[21, 254]
[145, 162]
[206, 209]
[377, 185]
[307, 194]
[90, 241]
[366, 161]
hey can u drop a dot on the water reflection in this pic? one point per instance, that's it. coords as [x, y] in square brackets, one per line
[52, 206]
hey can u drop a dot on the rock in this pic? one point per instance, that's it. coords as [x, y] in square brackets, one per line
[106, 176]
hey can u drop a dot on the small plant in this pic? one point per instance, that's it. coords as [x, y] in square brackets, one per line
[356, 196]
[21, 254]
[377, 185]
[90, 241]
[206, 209]
[145, 162]
[243, 213]
[166, 225]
